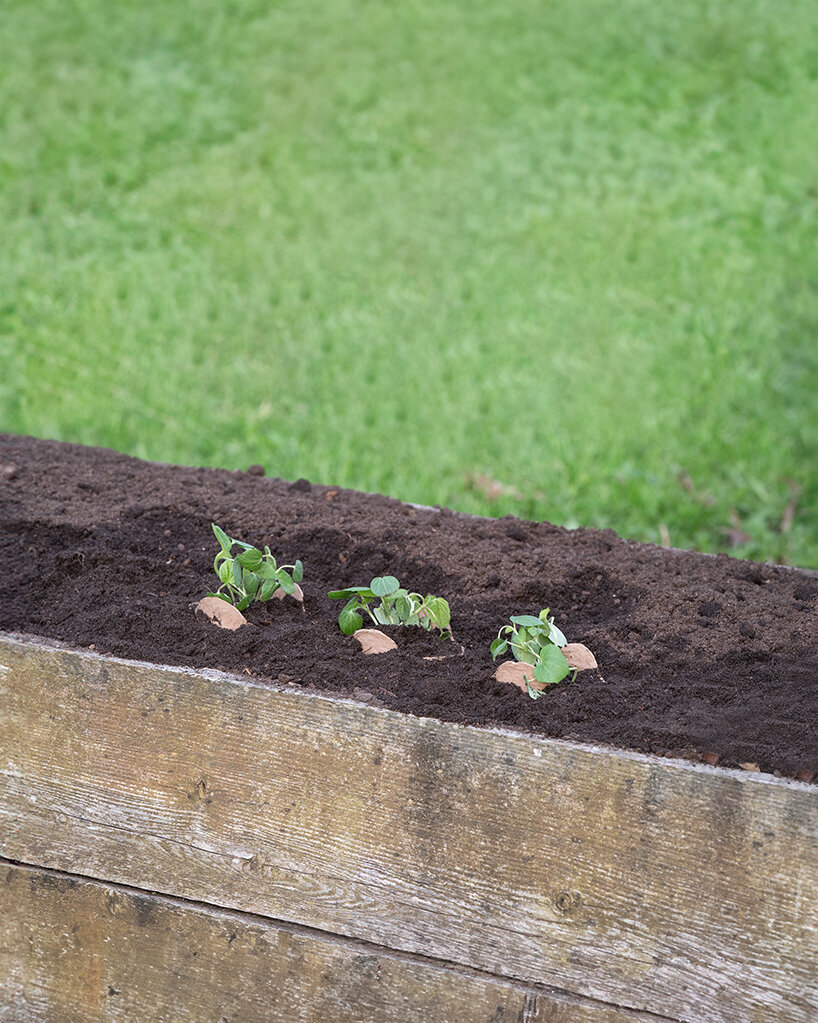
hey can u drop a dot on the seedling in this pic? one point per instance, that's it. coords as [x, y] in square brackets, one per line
[250, 575]
[535, 641]
[397, 606]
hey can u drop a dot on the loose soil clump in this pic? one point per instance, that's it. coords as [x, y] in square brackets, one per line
[704, 657]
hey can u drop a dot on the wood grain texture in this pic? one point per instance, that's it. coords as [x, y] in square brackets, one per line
[75, 951]
[686, 891]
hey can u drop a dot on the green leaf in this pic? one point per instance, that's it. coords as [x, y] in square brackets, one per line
[556, 635]
[244, 603]
[522, 653]
[251, 584]
[349, 592]
[349, 619]
[285, 581]
[250, 559]
[236, 573]
[266, 571]
[382, 617]
[552, 666]
[383, 585]
[498, 647]
[224, 540]
[529, 621]
[439, 611]
[520, 639]
[268, 588]
[298, 572]
[223, 571]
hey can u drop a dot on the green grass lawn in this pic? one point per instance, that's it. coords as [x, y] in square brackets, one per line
[569, 247]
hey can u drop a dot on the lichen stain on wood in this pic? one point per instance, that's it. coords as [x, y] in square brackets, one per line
[79, 951]
[660, 886]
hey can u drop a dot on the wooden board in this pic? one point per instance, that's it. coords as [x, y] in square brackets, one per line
[683, 890]
[75, 950]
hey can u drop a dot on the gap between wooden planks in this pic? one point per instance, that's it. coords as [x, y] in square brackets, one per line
[74, 948]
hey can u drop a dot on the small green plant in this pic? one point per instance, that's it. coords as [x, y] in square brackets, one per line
[397, 606]
[535, 641]
[250, 575]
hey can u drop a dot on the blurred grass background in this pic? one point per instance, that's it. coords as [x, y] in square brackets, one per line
[551, 259]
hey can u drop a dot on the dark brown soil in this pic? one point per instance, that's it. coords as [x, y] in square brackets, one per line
[699, 654]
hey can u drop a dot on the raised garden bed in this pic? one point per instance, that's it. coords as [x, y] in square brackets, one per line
[282, 838]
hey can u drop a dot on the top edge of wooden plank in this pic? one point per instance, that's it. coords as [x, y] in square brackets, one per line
[305, 692]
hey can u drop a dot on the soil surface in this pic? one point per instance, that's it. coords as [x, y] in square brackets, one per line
[699, 654]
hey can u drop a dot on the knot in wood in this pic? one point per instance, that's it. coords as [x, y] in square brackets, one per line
[566, 902]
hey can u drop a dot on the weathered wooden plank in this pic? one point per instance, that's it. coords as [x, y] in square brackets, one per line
[656, 885]
[76, 950]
